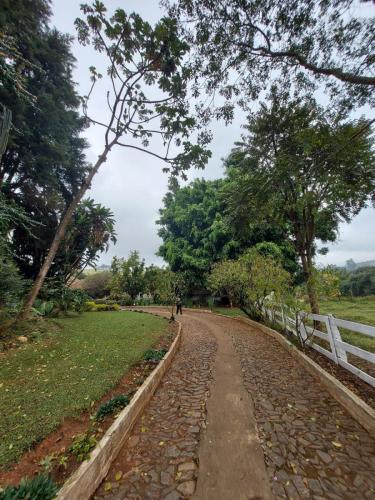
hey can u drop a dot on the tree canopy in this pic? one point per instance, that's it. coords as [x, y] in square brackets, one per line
[295, 166]
[243, 45]
[196, 233]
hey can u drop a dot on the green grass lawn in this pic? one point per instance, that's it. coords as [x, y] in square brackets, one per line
[45, 381]
[361, 310]
[228, 311]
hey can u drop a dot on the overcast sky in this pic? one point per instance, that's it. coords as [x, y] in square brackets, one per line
[132, 184]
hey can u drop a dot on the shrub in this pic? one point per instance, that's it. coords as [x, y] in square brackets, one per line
[91, 306]
[43, 307]
[82, 445]
[122, 298]
[154, 354]
[114, 404]
[97, 284]
[38, 488]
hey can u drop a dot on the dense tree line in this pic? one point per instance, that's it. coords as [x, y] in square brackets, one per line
[44, 162]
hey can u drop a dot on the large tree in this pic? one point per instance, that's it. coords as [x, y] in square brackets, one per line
[193, 230]
[128, 275]
[196, 232]
[242, 45]
[146, 95]
[305, 168]
[44, 163]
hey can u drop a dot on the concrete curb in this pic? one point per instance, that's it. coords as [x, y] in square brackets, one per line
[354, 405]
[86, 479]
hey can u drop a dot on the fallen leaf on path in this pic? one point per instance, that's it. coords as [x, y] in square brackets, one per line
[335, 443]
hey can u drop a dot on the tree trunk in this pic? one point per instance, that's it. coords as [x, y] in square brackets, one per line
[308, 274]
[59, 236]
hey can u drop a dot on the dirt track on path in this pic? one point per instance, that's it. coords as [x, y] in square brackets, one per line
[237, 418]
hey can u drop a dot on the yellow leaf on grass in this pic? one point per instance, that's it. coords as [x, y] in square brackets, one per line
[118, 475]
[161, 443]
[143, 429]
[107, 487]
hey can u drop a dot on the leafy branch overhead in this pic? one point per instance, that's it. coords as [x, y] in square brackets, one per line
[241, 46]
[148, 86]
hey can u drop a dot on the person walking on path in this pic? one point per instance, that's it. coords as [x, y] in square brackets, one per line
[178, 305]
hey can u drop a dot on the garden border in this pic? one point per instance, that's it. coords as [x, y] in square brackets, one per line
[357, 408]
[86, 479]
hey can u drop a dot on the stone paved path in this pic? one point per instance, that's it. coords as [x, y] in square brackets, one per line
[312, 448]
[160, 458]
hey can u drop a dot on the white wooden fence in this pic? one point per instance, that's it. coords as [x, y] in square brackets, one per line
[338, 348]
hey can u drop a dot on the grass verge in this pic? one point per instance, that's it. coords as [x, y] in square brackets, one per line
[43, 382]
[229, 311]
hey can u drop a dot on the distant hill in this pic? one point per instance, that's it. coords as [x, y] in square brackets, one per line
[351, 265]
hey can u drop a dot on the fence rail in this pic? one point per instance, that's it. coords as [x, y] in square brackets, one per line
[338, 348]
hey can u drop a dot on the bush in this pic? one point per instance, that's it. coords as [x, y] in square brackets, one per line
[122, 298]
[91, 306]
[82, 445]
[12, 285]
[38, 488]
[154, 354]
[114, 404]
[97, 284]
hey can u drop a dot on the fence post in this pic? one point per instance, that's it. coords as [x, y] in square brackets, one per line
[334, 333]
[301, 327]
[283, 318]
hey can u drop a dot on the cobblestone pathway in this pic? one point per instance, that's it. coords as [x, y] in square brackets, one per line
[312, 447]
[160, 458]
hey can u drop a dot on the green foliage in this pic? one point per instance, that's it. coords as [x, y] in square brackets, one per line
[196, 234]
[241, 47]
[267, 282]
[128, 276]
[228, 278]
[358, 283]
[327, 282]
[155, 87]
[82, 446]
[251, 281]
[155, 354]
[12, 285]
[44, 163]
[43, 308]
[193, 229]
[97, 284]
[111, 406]
[64, 299]
[124, 299]
[89, 234]
[170, 287]
[38, 488]
[295, 166]
[94, 307]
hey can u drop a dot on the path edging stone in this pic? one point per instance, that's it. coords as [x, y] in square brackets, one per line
[86, 479]
[357, 408]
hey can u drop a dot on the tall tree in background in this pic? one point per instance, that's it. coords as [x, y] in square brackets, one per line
[146, 98]
[196, 233]
[243, 45]
[128, 275]
[303, 167]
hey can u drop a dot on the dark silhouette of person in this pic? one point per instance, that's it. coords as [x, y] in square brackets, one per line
[179, 305]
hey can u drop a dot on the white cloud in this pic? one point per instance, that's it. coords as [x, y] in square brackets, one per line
[132, 183]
